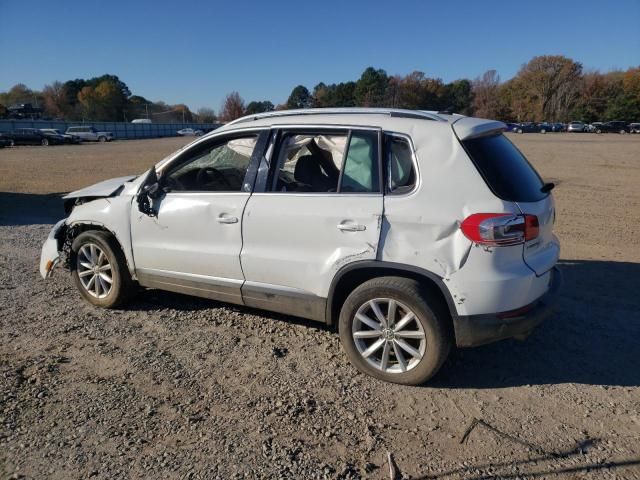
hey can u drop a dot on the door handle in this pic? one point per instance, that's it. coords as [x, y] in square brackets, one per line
[227, 219]
[351, 227]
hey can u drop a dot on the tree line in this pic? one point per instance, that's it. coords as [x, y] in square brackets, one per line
[548, 88]
[104, 98]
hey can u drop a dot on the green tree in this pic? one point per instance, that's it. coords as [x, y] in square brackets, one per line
[370, 88]
[299, 98]
[206, 115]
[259, 107]
[459, 96]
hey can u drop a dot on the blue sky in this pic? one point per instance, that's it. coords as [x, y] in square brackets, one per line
[195, 52]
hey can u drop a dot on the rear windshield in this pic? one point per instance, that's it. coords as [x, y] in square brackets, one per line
[507, 172]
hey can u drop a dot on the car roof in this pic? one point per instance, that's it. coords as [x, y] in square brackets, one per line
[397, 120]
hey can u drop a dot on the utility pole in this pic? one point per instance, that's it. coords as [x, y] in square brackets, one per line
[146, 107]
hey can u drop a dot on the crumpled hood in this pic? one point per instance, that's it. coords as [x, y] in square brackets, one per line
[101, 189]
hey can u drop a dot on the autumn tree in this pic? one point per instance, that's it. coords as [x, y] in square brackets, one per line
[486, 101]
[232, 107]
[551, 83]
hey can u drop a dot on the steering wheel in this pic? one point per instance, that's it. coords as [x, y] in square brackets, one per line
[213, 174]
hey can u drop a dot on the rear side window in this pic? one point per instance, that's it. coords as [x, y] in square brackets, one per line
[507, 172]
[401, 170]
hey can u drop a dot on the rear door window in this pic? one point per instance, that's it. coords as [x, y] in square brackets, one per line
[327, 162]
[505, 170]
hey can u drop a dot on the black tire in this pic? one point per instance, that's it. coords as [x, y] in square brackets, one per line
[519, 130]
[543, 131]
[44, 142]
[12, 143]
[123, 287]
[622, 132]
[102, 139]
[428, 311]
[598, 131]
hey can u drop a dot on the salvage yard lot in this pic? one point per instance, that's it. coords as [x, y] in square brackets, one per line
[176, 387]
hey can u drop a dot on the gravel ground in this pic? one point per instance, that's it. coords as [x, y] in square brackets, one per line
[178, 387]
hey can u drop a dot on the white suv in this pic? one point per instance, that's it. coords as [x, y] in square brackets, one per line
[409, 231]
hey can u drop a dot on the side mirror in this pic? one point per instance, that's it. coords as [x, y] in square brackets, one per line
[151, 189]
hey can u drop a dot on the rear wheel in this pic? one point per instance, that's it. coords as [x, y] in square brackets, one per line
[102, 139]
[100, 271]
[622, 132]
[392, 331]
[519, 130]
[12, 143]
[543, 131]
[598, 131]
[44, 142]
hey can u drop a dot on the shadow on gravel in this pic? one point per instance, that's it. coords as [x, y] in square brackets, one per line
[593, 338]
[153, 300]
[30, 208]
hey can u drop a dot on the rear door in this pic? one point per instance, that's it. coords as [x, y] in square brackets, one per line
[512, 178]
[317, 206]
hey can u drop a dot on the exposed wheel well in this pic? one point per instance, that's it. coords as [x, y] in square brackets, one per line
[357, 276]
[76, 229]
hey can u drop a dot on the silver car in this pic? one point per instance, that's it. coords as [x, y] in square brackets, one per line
[90, 134]
[576, 127]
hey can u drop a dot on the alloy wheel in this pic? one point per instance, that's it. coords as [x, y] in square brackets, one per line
[388, 335]
[94, 270]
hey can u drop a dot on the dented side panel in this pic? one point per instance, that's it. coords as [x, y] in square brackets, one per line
[422, 229]
[295, 240]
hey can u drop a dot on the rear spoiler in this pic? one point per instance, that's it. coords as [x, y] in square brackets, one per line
[466, 128]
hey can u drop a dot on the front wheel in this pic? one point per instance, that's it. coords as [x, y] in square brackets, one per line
[102, 139]
[391, 330]
[543, 131]
[519, 130]
[99, 270]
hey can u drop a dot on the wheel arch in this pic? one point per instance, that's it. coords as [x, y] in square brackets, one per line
[356, 273]
[76, 228]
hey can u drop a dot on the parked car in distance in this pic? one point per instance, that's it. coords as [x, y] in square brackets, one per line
[33, 136]
[286, 211]
[558, 127]
[634, 128]
[545, 127]
[90, 134]
[141, 120]
[68, 138]
[613, 127]
[510, 126]
[576, 127]
[526, 127]
[189, 132]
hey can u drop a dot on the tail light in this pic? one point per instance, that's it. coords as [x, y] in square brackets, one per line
[499, 229]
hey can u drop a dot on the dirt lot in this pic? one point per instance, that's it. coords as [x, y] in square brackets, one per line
[175, 387]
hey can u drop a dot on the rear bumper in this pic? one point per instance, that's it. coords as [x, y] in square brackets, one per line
[474, 330]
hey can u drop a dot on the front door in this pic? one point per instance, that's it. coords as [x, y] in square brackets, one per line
[192, 244]
[320, 208]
